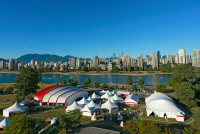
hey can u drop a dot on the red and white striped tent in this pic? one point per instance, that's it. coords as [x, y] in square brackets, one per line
[25, 102]
[118, 99]
[132, 99]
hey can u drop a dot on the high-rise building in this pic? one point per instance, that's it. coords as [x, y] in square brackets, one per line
[42, 63]
[32, 62]
[36, 63]
[170, 58]
[11, 64]
[95, 61]
[176, 57]
[118, 61]
[147, 56]
[109, 59]
[159, 56]
[72, 63]
[154, 60]
[188, 59]
[164, 56]
[113, 56]
[195, 55]
[3, 64]
[181, 56]
[141, 55]
[79, 59]
[125, 60]
[140, 61]
[120, 55]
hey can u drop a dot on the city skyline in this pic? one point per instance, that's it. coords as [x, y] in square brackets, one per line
[132, 27]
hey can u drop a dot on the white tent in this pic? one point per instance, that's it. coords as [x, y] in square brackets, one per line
[73, 106]
[87, 111]
[89, 98]
[94, 96]
[163, 106]
[111, 106]
[92, 104]
[123, 92]
[132, 99]
[113, 101]
[83, 102]
[117, 98]
[110, 93]
[102, 92]
[106, 96]
[4, 123]
[14, 108]
[25, 102]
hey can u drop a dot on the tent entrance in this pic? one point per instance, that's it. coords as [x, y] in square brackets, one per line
[152, 114]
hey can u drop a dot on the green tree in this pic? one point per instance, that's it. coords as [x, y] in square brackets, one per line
[168, 67]
[57, 68]
[85, 84]
[49, 69]
[150, 68]
[162, 68]
[131, 127]
[104, 85]
[9, 90]
[159, 68]
[62, 81]
[129, 68]
[116, 86]
[2, 90]
[16, 68]
[84, 68]
[122, 86]
[96, 84]
[98, 69]
[173, 81]
[65, 69]
[42, 69]
[88, 80]
[115, 69]
[161, 88]
[79, 69]
[73, 83]
[155, 69]
[125, 68]
[141, 69]
[145, 68]
[92, 69]
[133, 87]
[186, 94]
[140, 82]
[190, 130]
[46, 69]
[26, 82]
[21, 124]
[129, 81]
[136, 68]
[145, 88]
[70, 80]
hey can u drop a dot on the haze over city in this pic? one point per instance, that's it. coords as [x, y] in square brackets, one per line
[89, 28]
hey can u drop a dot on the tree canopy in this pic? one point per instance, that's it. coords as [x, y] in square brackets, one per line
[136, 68]
[161, 88]
[140, 82]
[141, 69]
[129, 81]
[73, 83]
[96, 84]
[88, 80]
[104, 85]
[150, 68]
[133, 87]
[168, 67]
[145, 68]
[62, 81]
[26, 82]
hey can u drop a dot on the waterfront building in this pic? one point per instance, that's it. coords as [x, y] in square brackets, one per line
[11, 64]
[120, 55]
[42, 63]
[195, 55]
[140, 61]
[176, 57]
[118, 61]
[170, 58]
[96, 60]
[113, 56]
[109, 59]
[36, 63]
[164, 56]
[102, 66]
[55, 64]
[125, 60]
[3, 65]
[78, 64]
[188, 59]
[159, 56]
[147, 56]
[154, 60]
[21, 64]
[72, 63]
[181, 56]
[60, 62]
[109, 66]
[32, 62]
[85, 62]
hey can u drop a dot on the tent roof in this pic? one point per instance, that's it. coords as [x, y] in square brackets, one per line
[106, 95]
[113, 101]
[83, 101]
[108, 105]
[116, 97]
[87, 109]
[25, 101]
[73, 106]
[95, 96]
[92, 104]
[89, 98]
[132, 97]
[157, 96]
[4, 123]
[163, 106]
[16, 108]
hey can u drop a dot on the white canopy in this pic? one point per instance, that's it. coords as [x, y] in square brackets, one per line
[4, 123]
[117, 98]
[73, 106]
[106, 96]
[25, 101]
[14, 108]
[89, 98]
[113, 101]
[95, 96]
[132, 99]
[87, 111]
[108, 105]
[157, 96]
[110, 93]
[83, 102]
[93, 105]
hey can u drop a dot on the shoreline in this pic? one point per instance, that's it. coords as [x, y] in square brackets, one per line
[91, 73]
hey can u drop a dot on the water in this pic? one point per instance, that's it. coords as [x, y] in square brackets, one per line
[152, 79]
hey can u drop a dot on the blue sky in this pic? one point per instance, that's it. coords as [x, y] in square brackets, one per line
[85, 28]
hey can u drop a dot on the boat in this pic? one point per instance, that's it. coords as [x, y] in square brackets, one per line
[161, 77]
[46, 78]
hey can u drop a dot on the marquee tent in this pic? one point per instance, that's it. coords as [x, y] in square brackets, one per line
[25, 102]
[111, 106]
[94, 96]
[106, 96]
[73, 106]
[4, 123]
[87, 111]
[14, 108]
[113, 101]
[132, 99]
[83, 102]
[89, 98]
[92, 104]
[123, 92]
[117, 98]
[102, 92]
[163, 106]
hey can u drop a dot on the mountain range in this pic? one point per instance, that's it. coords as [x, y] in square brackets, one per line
[46, 57]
